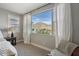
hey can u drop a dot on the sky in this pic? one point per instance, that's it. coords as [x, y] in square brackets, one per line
[45, 17]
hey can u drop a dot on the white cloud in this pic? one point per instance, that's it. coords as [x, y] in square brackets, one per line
[47, 22]
[37, 19]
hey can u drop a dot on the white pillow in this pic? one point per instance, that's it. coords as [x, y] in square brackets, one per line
[1, 35]
[1, 39]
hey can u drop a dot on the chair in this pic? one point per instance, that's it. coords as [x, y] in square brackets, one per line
[65, 48]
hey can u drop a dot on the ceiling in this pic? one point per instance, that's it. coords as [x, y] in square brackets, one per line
[21, 8]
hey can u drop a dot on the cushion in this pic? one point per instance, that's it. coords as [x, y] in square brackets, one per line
[56, 52]
[70, 48]
[66, 47]
[1, 35]
[62, 46]
[2, 39]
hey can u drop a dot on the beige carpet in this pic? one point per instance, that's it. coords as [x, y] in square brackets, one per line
[29, 50]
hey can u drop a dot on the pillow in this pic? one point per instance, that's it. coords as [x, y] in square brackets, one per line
[1, 35]
[1, 39]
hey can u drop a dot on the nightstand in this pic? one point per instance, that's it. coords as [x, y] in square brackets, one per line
[12, 40]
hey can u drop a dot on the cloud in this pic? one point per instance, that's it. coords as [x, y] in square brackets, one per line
[47, 22]
[37, 19]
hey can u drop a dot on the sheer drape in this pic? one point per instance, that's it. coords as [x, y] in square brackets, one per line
[64, 23]
[27, 28]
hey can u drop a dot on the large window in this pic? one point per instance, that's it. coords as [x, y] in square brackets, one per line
[42, 22]
[13, 24]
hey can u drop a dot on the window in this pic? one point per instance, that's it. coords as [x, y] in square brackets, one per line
[13, 24]
[42, 22]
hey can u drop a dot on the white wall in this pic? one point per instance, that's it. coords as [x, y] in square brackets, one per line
[75, 22]
[44, 41]
[21, 27]
[4, 20]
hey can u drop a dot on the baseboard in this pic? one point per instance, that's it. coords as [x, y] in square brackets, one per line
[42, 47]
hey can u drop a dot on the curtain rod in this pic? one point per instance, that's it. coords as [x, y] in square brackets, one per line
[37, 8]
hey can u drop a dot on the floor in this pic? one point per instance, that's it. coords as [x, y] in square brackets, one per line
[29, 50]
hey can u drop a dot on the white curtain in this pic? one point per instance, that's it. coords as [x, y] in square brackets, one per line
[27, 28]
[64, 23]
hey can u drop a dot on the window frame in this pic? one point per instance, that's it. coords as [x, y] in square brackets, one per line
[12, 16]
[51, 20]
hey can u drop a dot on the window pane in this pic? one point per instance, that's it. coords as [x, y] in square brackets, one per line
[42, 22]
[13, 24]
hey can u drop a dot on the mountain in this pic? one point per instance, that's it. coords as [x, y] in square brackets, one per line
[41, 25]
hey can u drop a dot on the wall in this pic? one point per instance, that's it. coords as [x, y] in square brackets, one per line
[21, 28]
[4, 20]
[44, 41]
[75, 22]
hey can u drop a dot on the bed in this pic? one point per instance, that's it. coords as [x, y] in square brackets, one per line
[6, 49]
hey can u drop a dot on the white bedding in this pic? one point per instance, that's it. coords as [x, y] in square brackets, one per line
[6, 49]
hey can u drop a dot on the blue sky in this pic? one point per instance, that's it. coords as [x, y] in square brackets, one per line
[45, 17]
